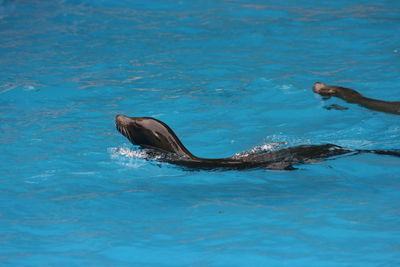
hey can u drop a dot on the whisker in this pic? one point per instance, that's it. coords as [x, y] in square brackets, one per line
[129, 136]
[124, 131]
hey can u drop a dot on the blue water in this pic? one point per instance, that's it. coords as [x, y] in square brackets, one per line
[227, 76]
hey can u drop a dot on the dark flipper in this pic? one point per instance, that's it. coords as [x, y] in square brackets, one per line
[335, 107]
[395, 153]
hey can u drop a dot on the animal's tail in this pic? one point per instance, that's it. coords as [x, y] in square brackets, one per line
[395, 152]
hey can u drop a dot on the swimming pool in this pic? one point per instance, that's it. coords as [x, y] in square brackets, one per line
[227, 76]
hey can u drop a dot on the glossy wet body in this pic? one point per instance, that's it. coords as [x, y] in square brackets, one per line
[153, 134]
[355, 97]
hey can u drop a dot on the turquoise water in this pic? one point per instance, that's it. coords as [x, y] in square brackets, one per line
[227, 76]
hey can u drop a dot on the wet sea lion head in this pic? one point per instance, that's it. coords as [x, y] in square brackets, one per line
[338, 91]
[324, 89]
[150, 133]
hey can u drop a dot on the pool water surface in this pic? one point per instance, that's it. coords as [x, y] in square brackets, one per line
[226, 76]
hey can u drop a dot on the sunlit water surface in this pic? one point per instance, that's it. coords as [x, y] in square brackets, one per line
[227, 76]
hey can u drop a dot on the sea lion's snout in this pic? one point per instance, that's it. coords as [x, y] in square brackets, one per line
[122, 120]
[318, 86]
[324, 89]
[123, 125]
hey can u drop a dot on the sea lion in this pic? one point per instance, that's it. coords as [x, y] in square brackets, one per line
[158, 137]
[355, 97]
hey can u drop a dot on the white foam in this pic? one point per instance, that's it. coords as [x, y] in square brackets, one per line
[267, 147]
[127, 157]
[117, 152]
[30, 88]
[132, 158]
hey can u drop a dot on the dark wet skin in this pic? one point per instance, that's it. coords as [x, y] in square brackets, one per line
[157, 136]
[355, 97]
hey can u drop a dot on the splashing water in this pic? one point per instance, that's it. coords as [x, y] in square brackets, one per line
[265, 148]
